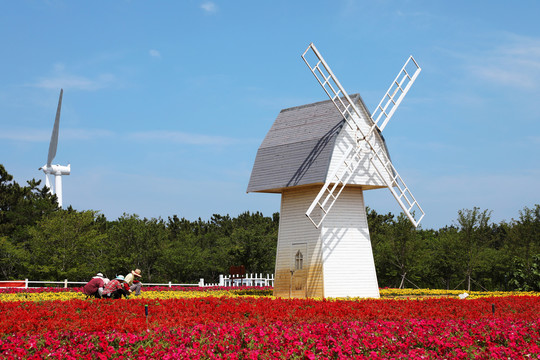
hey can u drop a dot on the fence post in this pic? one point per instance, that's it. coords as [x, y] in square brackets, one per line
[26, 283]
[201, 283]
[65, 283]
[221, 281]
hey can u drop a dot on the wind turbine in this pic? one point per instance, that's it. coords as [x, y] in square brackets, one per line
[49, 168]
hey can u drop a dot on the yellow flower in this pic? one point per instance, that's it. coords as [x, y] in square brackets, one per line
[161, 295]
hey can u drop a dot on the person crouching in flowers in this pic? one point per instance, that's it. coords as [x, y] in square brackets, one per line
[94, 288]
[116, 288]
[133, 279]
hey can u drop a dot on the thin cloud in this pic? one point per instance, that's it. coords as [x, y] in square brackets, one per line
[499, 74]
[155, 53]
[43, 135]
[62, 79]
[209, 7]
[85, 134]
[183, 138]
[26, 135]
[74, 82]
[514, 63]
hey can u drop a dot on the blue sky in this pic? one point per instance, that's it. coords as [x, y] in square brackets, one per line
[166, 103]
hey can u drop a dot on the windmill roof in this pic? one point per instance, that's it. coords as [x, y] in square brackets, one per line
[297, 149]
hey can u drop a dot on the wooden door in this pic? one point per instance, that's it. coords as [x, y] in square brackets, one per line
[299, 270]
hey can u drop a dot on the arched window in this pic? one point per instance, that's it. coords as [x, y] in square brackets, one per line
[298, 260]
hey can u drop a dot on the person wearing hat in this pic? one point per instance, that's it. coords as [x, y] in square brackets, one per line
[94, 288]
[116, 288]
[134, 282]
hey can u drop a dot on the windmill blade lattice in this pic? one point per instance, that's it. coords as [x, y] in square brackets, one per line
[396, 92]
[378, 157]
[335, 184]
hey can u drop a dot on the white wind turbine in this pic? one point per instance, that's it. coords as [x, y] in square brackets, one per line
[56, 170]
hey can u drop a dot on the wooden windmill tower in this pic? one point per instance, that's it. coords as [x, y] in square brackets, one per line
[309, 155]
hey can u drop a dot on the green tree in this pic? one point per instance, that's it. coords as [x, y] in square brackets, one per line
[524, 235]
[474, 231]
[65, 245]
[379, 226]
[20, 208]
[135, 243]
[205, 249]
[522, 250]
[182, 258]
[396, 245]
[253, 242]
[11, 258]
[22, 205]
[431, 270]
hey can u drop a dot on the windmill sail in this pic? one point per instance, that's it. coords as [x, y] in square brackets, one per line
[396, 92]
[333, 187]
[377, 155]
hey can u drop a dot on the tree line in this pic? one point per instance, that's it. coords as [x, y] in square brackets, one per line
[39, 241]
[473, 253]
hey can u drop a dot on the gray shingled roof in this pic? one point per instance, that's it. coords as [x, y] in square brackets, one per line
[298, 148]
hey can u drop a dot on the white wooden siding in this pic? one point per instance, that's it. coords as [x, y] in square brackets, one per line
[295, 227]
[348, 265]
[339, 257]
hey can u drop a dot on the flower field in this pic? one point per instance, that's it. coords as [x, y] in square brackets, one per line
[248, 324]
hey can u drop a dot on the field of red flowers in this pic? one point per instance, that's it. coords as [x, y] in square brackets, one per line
[263, 328]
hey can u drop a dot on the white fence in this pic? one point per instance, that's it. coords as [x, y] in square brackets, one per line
[224, 280]
[248, 280]
[26, 283]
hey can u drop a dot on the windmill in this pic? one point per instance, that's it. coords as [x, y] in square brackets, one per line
[322, 160]
[49, 168]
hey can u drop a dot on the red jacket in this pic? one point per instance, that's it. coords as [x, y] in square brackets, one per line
[93, 285]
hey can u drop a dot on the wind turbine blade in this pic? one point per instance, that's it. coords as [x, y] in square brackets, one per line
[54, 136]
